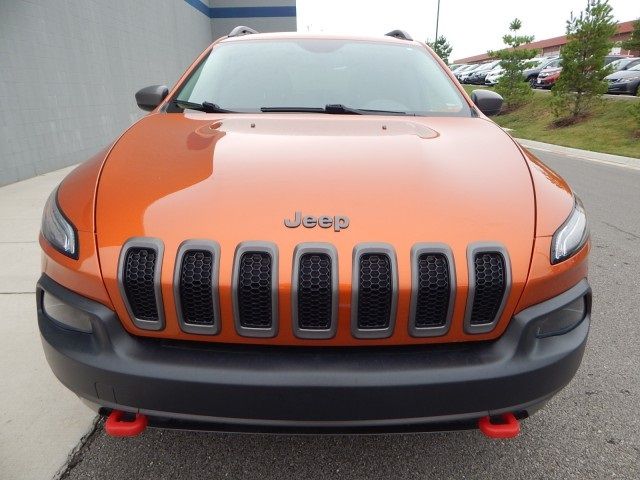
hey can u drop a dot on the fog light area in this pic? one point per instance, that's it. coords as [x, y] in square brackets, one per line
[64, 314]
[562, 320]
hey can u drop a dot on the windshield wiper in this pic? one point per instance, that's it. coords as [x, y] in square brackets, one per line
[334, 109]
[293, 109]
[207, 107]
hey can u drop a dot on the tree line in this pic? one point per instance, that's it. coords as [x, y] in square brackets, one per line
[581, 83]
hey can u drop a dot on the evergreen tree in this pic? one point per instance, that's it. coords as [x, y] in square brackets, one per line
[583, 62]
[442, 48]
[514, 61]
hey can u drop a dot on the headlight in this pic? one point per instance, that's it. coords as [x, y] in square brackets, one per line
[571, 236]
[57, 229]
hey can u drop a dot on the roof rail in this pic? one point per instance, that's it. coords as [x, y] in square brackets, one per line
[241, 30]
[400, 34]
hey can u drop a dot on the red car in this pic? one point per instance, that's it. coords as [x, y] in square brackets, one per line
[549, 75]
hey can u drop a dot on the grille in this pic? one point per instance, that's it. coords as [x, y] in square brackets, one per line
[375, 291]
[254, 290]
[434, 290]
[196, 287]
[315, 292]
[138, 280]
[490, 287]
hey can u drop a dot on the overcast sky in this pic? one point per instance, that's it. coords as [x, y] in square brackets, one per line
[472, 27]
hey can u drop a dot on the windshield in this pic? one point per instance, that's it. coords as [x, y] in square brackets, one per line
[619, 64]
[635, 68]
[245, 76]
[553, 64]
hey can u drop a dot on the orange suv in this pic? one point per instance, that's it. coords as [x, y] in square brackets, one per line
[312, 233]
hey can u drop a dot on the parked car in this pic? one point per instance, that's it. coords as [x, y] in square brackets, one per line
[462, 75]
[614, 57]
[253, 256]
[537, 64]
[455, 66]
[549, 74]
[478, 76]
[624, 81]
[493, 76]
[624, 64]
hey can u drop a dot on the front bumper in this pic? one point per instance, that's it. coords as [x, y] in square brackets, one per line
[547, 82]
[628, 88]
[359, 389]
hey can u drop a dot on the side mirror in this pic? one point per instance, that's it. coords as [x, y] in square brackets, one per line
[150, 97]
[488, 102]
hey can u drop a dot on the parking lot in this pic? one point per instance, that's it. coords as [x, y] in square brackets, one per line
[590, 430]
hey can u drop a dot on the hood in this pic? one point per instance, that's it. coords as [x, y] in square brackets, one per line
[400, 180]
[237, 178]
[551, 70]
[623, 74]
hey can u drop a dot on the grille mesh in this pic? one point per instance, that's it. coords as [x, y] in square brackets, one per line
[254, 290]
[434, 290]
[314, 291]
[138, 280]
[490, 287]
[196, 287]
[374, 291]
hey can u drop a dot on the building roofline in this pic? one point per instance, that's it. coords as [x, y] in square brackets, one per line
[622, 28]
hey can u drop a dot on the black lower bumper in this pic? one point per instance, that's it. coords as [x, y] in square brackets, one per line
[250, 388]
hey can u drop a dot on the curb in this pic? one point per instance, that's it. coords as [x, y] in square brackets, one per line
[617, 160]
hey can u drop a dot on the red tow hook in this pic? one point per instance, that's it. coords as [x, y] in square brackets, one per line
[510, 427]
[116, 426]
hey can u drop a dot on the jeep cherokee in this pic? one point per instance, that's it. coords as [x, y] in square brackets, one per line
[314, 234]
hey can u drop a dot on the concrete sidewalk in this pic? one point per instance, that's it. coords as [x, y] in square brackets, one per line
[41, 422]
[619, 160]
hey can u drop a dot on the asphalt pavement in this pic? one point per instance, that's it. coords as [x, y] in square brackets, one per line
[590, 430]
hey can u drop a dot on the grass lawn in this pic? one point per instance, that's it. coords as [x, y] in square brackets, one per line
[610, 129]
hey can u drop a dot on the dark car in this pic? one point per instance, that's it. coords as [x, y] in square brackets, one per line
[479, 75]
[537, 64]
[625, 81]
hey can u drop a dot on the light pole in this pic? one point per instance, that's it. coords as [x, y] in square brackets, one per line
[437, 21]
